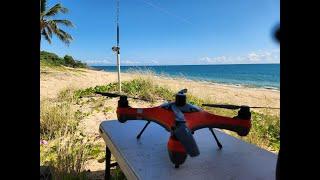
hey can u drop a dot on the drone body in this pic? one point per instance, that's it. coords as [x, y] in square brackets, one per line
[181, 120]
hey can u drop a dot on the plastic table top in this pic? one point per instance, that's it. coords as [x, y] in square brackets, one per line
[147, 158]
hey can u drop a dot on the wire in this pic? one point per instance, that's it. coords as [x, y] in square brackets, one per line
[117, 21]
[166, 11]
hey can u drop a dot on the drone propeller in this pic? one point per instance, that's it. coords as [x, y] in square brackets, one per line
[183, 133]
[112, 95]
[228, 106]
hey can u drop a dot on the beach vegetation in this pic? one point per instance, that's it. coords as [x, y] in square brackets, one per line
[52, 60]
[66, 147]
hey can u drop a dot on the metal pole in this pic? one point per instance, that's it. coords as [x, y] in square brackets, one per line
[118, 64]
[107, 175]
[118, 48]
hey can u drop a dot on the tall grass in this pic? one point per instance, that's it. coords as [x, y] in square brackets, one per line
[66, 155]
[68, 148]
[72, 153]
[56, 118]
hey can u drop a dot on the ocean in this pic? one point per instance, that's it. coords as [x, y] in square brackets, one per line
[250, 75]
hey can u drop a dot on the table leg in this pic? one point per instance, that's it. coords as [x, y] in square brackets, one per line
[107, 175]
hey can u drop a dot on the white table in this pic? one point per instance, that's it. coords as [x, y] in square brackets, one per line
[147, 158]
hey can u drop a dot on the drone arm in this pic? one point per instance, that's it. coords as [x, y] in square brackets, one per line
[203, 119]
[163, 117]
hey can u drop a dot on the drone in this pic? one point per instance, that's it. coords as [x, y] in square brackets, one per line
[181, 120]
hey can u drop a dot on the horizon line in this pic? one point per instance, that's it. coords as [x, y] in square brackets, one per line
[187, 64]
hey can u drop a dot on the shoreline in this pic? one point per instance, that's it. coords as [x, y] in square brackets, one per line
[183, 77]
[216, 83]
[167, 76]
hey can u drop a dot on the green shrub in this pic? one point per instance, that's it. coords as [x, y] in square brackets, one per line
[69, 61]
[51, 59]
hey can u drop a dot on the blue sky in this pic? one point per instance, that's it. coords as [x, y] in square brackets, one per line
[160, 32]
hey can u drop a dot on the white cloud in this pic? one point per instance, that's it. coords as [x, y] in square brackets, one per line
[205, 60]
[253, 56]
[260, 56]
[214, 60]
[263, 56]
[155, 61]
[98, 62]
[220, 58]
[130, 62]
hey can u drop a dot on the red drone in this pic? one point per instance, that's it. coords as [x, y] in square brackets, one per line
[181, 119]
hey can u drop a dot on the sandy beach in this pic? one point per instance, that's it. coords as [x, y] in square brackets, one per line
[52, 81]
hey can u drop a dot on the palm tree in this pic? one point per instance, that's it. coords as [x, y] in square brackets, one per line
[49, 26]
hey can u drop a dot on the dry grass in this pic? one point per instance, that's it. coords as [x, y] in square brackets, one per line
[56, 118]
[68, 148]
[73, 150]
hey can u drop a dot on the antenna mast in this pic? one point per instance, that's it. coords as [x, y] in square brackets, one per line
[116, 49]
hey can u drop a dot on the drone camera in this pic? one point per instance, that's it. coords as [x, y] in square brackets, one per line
[181, 99]
[244, 113]
[123, 102]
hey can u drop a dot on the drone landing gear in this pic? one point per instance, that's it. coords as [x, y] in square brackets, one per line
[145, 126]
[215, 137]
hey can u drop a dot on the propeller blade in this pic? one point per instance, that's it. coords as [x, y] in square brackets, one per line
[184, 135]
[264, 107]
[228, 106]
[183, 91]
[108, 94]
[225, 106]
[118, 95]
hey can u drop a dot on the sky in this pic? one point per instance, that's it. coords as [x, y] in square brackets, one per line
[171, 32]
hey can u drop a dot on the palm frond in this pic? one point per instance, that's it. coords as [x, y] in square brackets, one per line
[64, 22]
[55, 10]
[43, 4]
[44, 33]
[64, 36]
[53, 26]
[49, 31]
